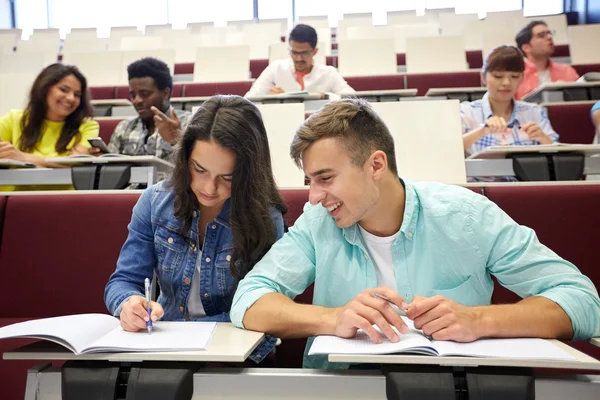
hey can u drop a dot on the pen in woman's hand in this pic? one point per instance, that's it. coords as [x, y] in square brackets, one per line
[148, 309]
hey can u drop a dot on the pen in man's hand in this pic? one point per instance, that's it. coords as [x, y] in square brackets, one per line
[148, 309]
[394, 306]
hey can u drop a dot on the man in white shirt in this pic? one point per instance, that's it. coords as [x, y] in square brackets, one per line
[300, 73]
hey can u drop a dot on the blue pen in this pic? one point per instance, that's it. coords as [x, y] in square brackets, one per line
[147, 289]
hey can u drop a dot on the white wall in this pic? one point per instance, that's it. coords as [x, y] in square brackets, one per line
[5, 14]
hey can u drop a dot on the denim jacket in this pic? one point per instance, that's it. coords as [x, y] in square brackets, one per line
[155, 245]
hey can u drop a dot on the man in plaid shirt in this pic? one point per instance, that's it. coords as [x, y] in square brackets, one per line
[158, 126]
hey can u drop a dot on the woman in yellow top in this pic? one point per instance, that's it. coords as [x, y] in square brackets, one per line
[56, 121]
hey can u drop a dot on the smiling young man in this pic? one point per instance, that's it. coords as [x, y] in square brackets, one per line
[535, 41]
[158, 126]
[300, 73]
[428, 247]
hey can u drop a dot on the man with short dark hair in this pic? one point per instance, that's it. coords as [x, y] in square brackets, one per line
[300, 73]
[535, 41]
[431, 249]
[158, 126]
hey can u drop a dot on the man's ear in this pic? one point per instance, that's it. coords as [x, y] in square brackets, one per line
[167, 93]
[525, 49]
[315, 51]
[379, 164]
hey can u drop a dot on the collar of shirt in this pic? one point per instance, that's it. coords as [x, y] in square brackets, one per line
[486, 109]
[531, 68]
[223, 217]
[293, 69]
[409, 220]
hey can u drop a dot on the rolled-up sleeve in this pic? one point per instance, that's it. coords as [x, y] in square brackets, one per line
[514, 255]
[288, 268]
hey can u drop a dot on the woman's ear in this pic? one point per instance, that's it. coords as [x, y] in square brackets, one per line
[483, 82]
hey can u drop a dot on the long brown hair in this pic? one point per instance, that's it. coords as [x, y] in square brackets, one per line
[32, 123]
[235, 124]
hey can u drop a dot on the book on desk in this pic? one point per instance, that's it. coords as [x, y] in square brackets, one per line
[416, 343]
[101, 333]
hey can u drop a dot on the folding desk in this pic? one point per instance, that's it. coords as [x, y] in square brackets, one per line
[564, 91]
[141, 169]
[501, 161]
[459, 93]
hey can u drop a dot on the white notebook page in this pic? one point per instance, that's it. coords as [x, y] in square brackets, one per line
[525, 348]
[72, 331]
[166, 336]
[362, 344]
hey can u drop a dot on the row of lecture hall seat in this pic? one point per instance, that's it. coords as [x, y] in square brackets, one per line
[571, 121]
[422, 82]
[60, 271]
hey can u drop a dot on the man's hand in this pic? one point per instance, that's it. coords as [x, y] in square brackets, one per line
[168, 128]
[445, 319]
[276, 90]
[534, 132]
[365, 310]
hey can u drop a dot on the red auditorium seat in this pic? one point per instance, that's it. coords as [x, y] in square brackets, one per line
[475, 58]
[400, 58]
[2, 211]
[183, 68]
[583, 69]
[295, 200]
[380, 82]
[210, 89]
[94, 240]
[102, 92]
[572, 122]
[562, 50]
[257, 67]
[571, 210]
[107, 127]
[123, 91]
[423, 82]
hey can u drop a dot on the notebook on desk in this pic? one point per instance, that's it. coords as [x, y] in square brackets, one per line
[414, 342]
[98, 333]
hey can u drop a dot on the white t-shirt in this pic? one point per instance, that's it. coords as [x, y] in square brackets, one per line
[544, 77]
[194, 303]
[380, 250]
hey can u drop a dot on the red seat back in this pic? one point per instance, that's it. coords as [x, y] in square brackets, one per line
[210, 89]
[58, 252]
[380, 82]
[107, 127]
[572, 122]
[424, 82]
[565, 219]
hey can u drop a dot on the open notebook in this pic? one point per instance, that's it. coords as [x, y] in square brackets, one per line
[96, 333]
[414, 342]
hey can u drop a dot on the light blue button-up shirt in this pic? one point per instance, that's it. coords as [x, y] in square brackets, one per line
[474, 113]
[451, 241]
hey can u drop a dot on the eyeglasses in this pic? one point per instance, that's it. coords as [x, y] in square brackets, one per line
[303, 54]
[542, 35]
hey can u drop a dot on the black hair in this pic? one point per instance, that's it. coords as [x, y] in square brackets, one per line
[304, 34]
[153, 68]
